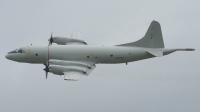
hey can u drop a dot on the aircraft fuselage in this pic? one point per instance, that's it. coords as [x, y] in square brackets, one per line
[89, 53]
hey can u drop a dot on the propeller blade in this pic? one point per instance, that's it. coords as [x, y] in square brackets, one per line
[46, 69]
[46, 75]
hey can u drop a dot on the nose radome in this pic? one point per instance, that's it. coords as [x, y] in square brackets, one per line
[8, 56]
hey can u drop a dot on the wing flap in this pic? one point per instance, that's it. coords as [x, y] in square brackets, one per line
[72, 76]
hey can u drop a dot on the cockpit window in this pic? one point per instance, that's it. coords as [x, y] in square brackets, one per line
[20, 51]
[14, 51]
[17, 51]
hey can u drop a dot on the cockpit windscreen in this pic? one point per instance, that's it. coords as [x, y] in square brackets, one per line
[17, 51]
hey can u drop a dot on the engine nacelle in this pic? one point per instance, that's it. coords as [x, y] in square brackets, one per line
[59, 69]
[67, 40]
[69, 63]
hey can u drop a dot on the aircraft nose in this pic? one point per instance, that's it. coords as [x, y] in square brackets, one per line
[8, 56]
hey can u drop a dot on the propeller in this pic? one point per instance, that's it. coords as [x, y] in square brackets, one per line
[51, 39]
[46, 69]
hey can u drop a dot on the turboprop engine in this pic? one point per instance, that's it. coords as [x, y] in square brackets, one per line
[69, 63]
[59, 69]
[72, 38]
[66, 40]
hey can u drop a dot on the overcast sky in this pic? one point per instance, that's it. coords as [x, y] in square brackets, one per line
[164, 84]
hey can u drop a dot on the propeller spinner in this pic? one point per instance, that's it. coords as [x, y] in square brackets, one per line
[51, 39]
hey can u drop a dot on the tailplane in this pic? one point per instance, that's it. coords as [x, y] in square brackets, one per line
[152, 39]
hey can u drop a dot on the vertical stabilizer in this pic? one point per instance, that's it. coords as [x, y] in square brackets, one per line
[152, 39]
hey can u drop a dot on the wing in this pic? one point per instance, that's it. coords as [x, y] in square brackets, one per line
[72, 70]
[73, 38]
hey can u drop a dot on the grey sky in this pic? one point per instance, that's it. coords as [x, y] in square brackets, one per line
[167, 84]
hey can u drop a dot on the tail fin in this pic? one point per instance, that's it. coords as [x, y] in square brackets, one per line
[152, 39]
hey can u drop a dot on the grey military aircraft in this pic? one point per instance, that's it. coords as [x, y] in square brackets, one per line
[73, 57]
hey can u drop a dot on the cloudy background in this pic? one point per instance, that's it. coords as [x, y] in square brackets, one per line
[166, 84]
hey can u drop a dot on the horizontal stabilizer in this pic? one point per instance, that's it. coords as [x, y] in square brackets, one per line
[155, 53]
